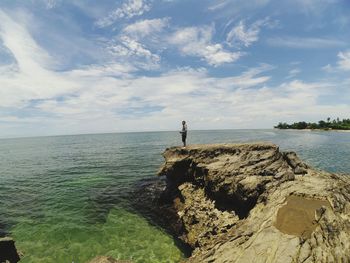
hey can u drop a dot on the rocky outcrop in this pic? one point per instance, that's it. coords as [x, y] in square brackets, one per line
[254, 203]
[8, 251]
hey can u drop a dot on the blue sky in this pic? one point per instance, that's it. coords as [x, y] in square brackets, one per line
[69, 67]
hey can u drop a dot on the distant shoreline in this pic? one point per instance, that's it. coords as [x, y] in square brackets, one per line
[322, 125]
[325, 130]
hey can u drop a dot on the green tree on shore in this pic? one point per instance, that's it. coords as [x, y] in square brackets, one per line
[335, 124]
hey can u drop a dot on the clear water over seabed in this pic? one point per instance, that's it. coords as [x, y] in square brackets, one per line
[65, 198]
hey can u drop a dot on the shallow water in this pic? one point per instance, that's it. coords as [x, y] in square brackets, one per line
[67, 198]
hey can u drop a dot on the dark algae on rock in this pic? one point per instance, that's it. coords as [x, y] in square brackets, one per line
[8, 251]
[254, 203]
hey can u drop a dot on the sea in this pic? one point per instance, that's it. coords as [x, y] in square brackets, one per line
[68, 199]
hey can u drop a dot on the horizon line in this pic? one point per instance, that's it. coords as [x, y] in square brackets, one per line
[125, 132]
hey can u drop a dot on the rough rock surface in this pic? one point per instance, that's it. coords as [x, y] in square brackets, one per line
[235, 203]
[8, 251]
[104, 259]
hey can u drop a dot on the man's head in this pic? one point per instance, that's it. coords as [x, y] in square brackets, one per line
[183, 122]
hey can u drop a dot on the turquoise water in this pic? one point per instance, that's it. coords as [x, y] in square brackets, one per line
[67, 198]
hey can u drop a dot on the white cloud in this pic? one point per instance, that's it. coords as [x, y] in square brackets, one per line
[313, 6]
[121, 70]
[343, 63]
[20, 44]
[112, 97]
[344, 60]
[146, 27]
[129, 50]
[99, 98]
[232, 8]
[246, 35]
[305, 42]
[30, 77]
[96, 98]
[197, 41]
[293, 72]
[177, 93]
[342, 21]
[295, 63]
[128, 9]
[328, 68]
[136, 41]
[219, 5]
[51, 3]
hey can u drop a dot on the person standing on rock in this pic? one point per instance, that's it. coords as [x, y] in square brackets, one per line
[184, 132]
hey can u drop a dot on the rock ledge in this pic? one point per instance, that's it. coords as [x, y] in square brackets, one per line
[254, 203]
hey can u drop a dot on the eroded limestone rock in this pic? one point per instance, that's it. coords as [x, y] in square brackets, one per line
[230, 205]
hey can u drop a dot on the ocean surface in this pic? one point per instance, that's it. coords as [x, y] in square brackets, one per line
[67, 198]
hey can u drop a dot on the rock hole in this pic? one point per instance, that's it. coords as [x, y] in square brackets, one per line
[234, 204]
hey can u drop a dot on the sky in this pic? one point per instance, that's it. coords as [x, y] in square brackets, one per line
[73, 67]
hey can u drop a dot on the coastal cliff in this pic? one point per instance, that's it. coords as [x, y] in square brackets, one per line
[254, 203]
